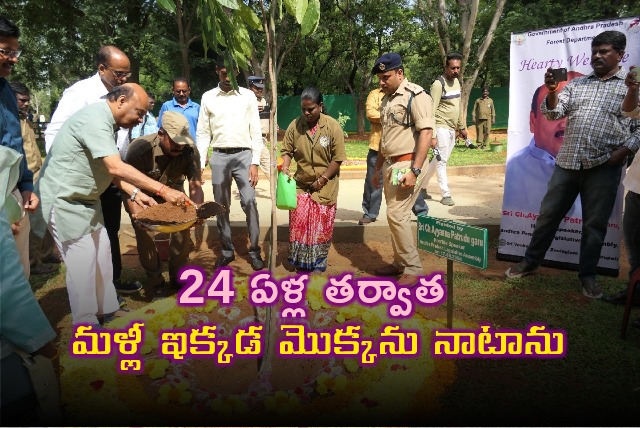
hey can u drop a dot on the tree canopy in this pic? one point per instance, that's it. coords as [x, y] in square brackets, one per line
[61, 37]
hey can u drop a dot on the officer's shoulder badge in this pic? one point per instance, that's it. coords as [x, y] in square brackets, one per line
[415, 89]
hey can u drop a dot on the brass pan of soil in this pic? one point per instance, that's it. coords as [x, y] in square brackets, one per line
[169, 218]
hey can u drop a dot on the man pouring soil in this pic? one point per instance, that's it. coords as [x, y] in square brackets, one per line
[170, 157]
[81, 164]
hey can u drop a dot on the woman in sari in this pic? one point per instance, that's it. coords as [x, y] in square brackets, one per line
[316, 142]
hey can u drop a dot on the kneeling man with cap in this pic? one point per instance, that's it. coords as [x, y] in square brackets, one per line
[406, 115]
[170, 157]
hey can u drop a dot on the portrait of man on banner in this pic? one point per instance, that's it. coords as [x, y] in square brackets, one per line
[529, 169]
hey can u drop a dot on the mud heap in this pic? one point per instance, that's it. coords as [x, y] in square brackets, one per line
[167, 213]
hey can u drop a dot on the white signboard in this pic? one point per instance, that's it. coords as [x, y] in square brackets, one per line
[533, 141]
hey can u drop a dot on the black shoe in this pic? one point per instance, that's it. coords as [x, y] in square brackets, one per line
[620, 298]
[52, 259]
[366, 220]
[106, 318]
[42, 269]
[121, 301]
[223, 261]
[256, 261]
[165, 289]
[127, 287]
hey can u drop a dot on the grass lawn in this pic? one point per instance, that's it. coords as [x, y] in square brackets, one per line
[357, 149]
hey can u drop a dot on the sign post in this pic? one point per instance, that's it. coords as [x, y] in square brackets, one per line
[456, 242]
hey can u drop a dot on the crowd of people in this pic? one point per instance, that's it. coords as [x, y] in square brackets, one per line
[105, 148]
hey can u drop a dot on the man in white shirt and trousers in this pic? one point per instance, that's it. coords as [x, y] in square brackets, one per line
[230, 123]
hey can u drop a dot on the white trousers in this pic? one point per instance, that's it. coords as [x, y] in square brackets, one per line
[446, 140]
[89, 274]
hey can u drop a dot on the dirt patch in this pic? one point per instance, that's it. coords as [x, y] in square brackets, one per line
[167, 213]
[498, 302]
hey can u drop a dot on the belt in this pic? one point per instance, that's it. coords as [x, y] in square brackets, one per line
[394, 159]
[231, 151]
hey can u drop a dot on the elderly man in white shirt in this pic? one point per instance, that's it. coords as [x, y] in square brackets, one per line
[230, 123]
[113, 70]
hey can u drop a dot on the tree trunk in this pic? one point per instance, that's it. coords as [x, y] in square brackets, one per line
[266, 363]
[182, 40]
[468, 11]
[470, 80]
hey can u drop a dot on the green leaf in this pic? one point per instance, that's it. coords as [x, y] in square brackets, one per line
[296, 8]
[168, 5]
[230, 4]
[249, 17]
[311, 18]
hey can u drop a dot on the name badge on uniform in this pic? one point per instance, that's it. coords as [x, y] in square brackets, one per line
[324, 141]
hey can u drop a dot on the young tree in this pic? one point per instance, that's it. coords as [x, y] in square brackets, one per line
[225, 25]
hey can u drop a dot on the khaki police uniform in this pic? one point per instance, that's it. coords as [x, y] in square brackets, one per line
[400, 133]
[484, 115]
[146, 155]
[39, 248]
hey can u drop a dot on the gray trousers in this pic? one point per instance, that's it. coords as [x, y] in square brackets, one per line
[224, 168]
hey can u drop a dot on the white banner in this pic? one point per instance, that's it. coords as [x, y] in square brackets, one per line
[534, 141]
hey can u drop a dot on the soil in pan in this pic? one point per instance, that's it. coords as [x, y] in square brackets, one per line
[167, 213]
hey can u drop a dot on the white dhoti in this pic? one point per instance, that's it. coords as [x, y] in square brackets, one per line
[89, 274]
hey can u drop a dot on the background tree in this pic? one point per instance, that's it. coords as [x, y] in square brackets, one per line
[455, 24]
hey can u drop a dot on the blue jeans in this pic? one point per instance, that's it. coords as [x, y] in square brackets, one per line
[420, 206]
[597, 188]
[631, 228]
[371, 197]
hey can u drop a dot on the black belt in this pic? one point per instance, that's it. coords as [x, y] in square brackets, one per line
[232, 151]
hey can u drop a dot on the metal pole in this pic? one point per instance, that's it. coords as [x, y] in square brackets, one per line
[449, 293]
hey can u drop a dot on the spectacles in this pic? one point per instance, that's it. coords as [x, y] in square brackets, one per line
[10, 53]
[118, 74]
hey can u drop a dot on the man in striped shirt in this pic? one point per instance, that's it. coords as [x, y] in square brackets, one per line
[597, 141]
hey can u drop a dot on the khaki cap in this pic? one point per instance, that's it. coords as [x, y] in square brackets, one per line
[177, 128]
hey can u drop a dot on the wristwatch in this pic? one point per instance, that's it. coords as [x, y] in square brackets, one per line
[416, 171]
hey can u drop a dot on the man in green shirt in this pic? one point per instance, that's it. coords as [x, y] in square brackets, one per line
[81, 164]
[446, 93]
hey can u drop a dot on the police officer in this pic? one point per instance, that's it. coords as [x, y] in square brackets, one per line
[485, 113]
[406, 115]
[168, 156]
[256, 84]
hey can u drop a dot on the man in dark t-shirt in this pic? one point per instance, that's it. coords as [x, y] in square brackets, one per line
[170, 157]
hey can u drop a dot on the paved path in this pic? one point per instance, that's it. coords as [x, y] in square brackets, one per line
[477, 192]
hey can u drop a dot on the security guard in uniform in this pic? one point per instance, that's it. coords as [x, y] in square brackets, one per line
[168, 156]
[485, 113]
[406, 115]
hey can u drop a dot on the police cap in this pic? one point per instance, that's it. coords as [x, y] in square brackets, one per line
[257, 81]
[388, 61]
